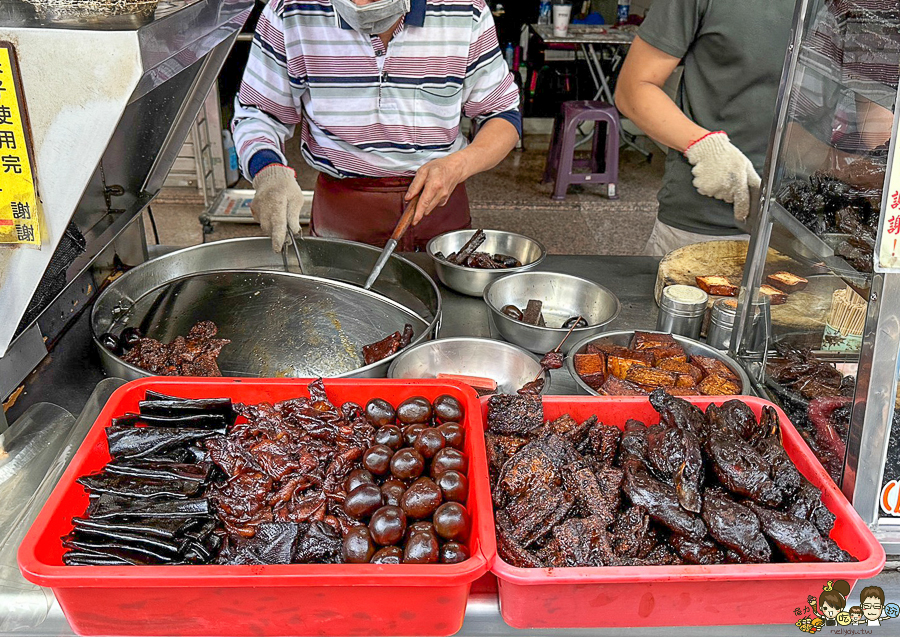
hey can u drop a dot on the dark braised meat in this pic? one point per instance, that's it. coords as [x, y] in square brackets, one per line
[807, 505]
[511, 550]
[630, 531]
[634, 443]
[569, 428]
[604, 443]
[581, 542]
[741, 469]
[285, 543]
[468, 249]
[618, 387]
[140, 487]
[859, 247]
[471, 258]
[483, 261]
[704, 552]
[734, 416]
[533, 388]
[558, 486]
[593, 497]
[287, 463]
[552, 360]
[799, 540]
[148, 505]
[661, 503]
[784, 474]
[735, 527]
[387, 346]
[829, 442]
[674, 456]
[817, 398]
[677, 412]
[273, 543]
[824, 204]
[323, 485]
[514, 414]
[532, 314]
[194, 355]
[801, 372]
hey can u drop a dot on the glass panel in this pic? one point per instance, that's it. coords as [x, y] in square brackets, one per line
[826, 202]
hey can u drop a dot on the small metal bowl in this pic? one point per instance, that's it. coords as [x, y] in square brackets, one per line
[623, 338]
[507, 364]
[472, 281]
[563, 296]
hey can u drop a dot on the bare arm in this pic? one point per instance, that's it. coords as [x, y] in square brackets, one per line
[437, 179]
[641, 98]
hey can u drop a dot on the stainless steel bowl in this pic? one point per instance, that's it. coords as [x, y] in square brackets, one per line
[563, 297]
[401, 281]
[623, 338]
[507, 364]
[472, 281]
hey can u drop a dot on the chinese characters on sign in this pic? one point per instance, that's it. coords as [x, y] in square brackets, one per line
[19, 208]
[887, 252]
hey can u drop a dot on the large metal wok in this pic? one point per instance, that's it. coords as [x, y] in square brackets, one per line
[280, 323]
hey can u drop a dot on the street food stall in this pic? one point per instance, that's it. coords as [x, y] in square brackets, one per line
[830, 201]
[477, 458]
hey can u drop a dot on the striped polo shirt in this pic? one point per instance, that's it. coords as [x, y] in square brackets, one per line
[366, 110]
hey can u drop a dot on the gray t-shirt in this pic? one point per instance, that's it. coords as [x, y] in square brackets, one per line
[733, 52]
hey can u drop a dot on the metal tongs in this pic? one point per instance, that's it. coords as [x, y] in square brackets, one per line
[284, 256]
[399, 230]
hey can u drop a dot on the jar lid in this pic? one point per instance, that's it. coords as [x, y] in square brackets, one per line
[725, 307]
[723, 313]
[684, 298]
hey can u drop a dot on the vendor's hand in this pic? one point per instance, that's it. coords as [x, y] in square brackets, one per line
[436, 181]
[722, 171]
[277, 203]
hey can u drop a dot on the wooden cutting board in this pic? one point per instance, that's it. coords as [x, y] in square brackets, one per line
[804, 311]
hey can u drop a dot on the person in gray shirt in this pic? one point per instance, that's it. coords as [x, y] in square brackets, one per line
[718, 128]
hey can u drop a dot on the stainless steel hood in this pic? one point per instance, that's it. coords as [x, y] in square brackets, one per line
[110, 101]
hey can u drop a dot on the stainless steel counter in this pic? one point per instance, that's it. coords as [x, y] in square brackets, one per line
[72, 370]
[68, 376]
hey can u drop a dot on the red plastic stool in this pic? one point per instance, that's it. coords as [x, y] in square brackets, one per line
[561, 162]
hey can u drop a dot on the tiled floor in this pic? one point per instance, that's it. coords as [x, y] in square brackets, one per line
[510, 197]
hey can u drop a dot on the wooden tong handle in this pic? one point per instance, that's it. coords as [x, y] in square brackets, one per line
[405, 219]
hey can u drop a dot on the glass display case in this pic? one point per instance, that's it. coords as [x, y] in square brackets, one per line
[822, 279]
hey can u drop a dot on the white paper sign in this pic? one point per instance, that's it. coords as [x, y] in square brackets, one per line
[888, 246]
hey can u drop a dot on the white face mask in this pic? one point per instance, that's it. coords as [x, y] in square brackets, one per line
[374, 18]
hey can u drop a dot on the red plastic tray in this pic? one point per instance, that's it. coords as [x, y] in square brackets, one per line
[726, 594]
[364, 599]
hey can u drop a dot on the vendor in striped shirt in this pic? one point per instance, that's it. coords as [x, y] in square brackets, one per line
[378, 89]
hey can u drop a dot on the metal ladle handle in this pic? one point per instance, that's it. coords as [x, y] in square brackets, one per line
[296, 251]
[399, 230]
[284, 257]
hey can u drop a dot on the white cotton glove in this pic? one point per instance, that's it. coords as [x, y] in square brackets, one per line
[277, 203]
[722, 171]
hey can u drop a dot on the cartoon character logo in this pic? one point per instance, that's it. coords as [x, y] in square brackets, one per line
[828, 609]
[874, 610]
[831, 602]
[810, 625]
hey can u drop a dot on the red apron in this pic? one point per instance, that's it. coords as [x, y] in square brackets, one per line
[367, 210]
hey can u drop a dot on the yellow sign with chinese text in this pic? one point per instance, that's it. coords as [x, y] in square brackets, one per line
[19, 203]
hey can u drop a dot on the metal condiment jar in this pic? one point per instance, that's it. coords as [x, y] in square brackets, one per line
[721, 323]
[681, 310]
